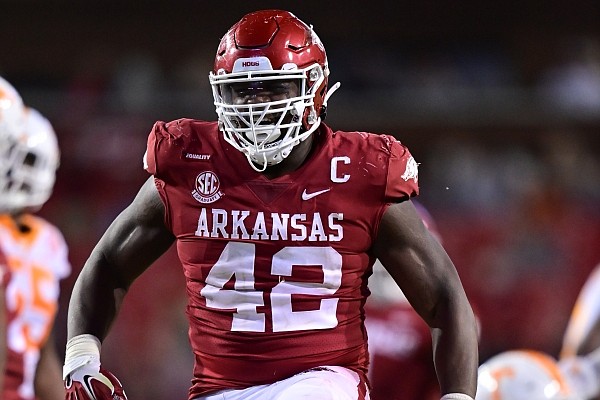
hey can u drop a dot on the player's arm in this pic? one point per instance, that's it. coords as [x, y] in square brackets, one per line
[428, 278]
[582, 334]
[580, 355]
[591, 342]
[48, 376]
[135, 239]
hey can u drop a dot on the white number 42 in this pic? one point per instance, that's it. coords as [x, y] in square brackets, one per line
[237, 260]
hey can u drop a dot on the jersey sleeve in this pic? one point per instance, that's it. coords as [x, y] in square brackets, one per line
[166, 146]
[156, 135]
[154, 149]
[59, 260]
[403, 173]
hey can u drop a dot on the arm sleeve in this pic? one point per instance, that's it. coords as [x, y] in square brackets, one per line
[154, 138]
[403, 173]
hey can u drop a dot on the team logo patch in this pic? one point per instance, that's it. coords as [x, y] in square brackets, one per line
[412, 170]
[207, 188]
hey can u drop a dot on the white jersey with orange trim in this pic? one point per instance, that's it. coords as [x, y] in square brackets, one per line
[37, 259]
[586, 313]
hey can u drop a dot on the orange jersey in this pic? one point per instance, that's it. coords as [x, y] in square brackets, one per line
[35, 261]
[276, 270]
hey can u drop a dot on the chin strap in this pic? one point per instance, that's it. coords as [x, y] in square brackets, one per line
[331, 91]
[323, 112]
[254, 163]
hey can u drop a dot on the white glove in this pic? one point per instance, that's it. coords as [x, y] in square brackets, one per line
[83, 375]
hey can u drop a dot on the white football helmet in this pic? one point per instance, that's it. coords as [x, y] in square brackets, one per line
[522, 375]
[11, 108]
[265, 49]
[29, 158]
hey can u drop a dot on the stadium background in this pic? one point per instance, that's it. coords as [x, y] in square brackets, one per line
[498, 101]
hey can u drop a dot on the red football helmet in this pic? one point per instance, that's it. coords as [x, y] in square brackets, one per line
[265, 48]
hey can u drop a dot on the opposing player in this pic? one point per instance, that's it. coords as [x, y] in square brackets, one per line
[580, 353]
[278, 220]
[520, 374]
[34, 253]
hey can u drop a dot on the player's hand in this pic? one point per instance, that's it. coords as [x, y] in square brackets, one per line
[93, 383]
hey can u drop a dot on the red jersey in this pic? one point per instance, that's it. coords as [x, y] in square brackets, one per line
[401, 353]
[276, 270]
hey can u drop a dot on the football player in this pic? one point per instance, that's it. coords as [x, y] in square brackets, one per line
[521, 374]
[277, 219]
[580, 353]
[34, 253]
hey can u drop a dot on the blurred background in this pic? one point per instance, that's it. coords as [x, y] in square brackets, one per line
[498, 101]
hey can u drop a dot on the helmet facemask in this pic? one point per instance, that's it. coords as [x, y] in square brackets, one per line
[266, 131]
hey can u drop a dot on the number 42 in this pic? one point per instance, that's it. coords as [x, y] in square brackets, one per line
[237, 259]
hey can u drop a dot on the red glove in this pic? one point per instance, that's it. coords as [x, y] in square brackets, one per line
[90, 384]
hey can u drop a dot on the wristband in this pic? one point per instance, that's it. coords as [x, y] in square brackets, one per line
[456, 396]
[81, 350]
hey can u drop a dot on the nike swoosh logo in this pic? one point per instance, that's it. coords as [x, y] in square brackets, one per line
[308, 196]
[88, 386]
[87, 380]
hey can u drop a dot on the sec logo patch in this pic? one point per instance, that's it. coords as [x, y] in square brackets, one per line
[207, 188]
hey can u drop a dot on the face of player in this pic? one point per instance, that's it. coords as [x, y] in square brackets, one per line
[267, 114]
[275, 92]
[262, 91]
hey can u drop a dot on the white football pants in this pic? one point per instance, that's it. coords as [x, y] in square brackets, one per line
[324, 383]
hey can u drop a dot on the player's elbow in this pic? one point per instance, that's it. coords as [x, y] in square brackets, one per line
[452, 308]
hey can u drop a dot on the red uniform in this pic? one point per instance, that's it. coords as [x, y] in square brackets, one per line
[276, 270]
[401, 353]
